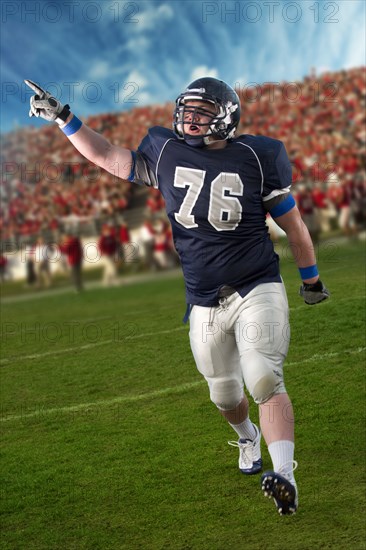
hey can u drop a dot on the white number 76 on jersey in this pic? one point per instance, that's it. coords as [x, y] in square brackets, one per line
[225, 210]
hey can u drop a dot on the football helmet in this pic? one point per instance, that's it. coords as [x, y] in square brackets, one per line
[222, 113]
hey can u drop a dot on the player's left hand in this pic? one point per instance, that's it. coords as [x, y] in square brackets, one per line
[44, 105]
[314, 293]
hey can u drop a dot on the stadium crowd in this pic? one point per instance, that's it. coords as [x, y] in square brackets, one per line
[48, 189]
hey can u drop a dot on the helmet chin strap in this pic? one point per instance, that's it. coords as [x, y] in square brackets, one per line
[194, 141]
[200, 141]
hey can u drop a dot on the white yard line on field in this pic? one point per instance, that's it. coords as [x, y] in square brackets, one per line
[103, 403]
[14, 359]
[69, 410]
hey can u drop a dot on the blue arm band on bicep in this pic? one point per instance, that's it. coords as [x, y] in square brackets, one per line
[308, 272]
[283, 207]
[72, 127]
[132, 173]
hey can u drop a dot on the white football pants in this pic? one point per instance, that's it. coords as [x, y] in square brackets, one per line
[242, 341]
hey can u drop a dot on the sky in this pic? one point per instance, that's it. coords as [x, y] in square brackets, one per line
[112, 55]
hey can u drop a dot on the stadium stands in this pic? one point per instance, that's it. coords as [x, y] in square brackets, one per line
[48, 186]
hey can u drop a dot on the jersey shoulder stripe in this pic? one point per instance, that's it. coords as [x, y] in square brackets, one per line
[259, 163]
[275, 164]
[149, 153]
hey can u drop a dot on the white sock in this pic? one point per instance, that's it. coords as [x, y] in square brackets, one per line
[282, 455]
[245, 429]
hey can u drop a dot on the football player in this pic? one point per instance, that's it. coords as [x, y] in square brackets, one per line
[218, 189]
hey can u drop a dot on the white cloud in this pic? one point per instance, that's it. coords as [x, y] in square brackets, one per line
[150, 18]
[201, 71]
[137, 78]
[136, 88]
[100, 69]
[137, 44]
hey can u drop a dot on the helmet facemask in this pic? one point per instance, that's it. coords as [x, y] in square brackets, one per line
[220, 124]
[191, 116]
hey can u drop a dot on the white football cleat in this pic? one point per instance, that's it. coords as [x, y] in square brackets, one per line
[250, 460]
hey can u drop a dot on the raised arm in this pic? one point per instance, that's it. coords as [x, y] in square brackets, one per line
[97, 149]
[93, 146]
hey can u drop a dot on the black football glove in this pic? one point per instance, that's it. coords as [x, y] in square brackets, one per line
[314, 293]
[44, 105]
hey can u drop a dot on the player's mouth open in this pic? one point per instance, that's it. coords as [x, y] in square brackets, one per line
[194, 128]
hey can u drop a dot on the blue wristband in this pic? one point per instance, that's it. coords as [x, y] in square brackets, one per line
[309, 272]
[72, 127]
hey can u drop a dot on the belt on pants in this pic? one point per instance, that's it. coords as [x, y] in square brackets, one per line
[226, 291]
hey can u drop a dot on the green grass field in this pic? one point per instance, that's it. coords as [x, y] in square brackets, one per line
[109, 440]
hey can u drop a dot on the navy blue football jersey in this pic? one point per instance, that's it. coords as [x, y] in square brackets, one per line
[216, 203]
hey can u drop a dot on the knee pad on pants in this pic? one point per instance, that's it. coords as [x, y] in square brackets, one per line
[262, 376]
[226, 393]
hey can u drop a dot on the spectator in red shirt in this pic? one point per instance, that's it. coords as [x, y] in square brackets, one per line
[155, 202]
[345, 222]
[108, 247]
[319, 197]
[71, 246]
[3, 264]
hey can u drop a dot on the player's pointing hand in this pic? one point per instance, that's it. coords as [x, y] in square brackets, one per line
[37, 89]
[44, 105]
